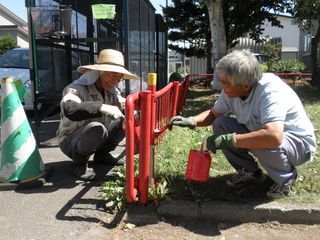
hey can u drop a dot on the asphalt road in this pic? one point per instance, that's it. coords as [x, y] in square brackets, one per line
[63, 208]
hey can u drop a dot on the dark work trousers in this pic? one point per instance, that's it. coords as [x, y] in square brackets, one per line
[91, 138]
[278, 162]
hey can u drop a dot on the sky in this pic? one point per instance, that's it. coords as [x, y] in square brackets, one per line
[18, 6]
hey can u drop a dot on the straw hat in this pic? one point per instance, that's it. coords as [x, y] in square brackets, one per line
[109, 60]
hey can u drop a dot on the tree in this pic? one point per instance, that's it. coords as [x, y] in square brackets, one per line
[217, 26]
[220, 26]
[307, 15]
[236, 19]
[188, 22]
[7, 42]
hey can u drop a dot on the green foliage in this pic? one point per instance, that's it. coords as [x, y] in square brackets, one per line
[246, 17]
[273, 50]
[159, 191]
[188, 22]
[6, 43]
[274, 63]
[264, 67]
[114, 192]
[287, 66]
[175, 76]
[305, 12]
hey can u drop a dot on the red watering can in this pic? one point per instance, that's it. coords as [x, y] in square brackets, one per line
[198, 167]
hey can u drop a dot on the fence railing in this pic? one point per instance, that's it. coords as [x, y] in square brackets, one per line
[155, 109]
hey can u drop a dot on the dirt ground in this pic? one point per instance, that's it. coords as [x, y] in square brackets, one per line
[192, 229]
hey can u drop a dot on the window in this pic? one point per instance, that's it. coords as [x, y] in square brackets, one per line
[307, 44]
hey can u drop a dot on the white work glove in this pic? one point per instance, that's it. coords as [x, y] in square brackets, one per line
[122, 101]
[111, 111]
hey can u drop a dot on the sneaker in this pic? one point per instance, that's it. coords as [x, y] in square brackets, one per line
[89, 175]
[277, 191]
[242, 177]
[84, 173]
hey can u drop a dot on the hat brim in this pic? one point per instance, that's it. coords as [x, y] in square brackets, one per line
[109, 68]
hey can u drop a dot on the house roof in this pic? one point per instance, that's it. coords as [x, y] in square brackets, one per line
[22, 25]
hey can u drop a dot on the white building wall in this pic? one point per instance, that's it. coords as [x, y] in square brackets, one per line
[4, 21]
[22, 42]
[289, 35]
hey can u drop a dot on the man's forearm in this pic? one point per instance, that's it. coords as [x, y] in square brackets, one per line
[205, 118]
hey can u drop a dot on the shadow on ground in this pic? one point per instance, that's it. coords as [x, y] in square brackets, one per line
[83, 202]
[217, 189]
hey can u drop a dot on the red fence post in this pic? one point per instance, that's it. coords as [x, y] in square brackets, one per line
[144, 158]
[176, 90]
[131, 192]
[152, 86]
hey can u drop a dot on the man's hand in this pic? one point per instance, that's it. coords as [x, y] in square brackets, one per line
[214, 142]
[111, 111]
[182, 122]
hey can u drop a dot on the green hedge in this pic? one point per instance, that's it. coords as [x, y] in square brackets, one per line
[286, 66]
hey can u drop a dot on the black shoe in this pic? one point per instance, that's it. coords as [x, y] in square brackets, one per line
[108, 159]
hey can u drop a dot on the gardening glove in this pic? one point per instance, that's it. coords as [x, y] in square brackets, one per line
[182, 122]
[122, 102]
[214, 142]
[111, 111]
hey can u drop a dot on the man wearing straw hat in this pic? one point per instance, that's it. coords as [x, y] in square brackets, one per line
[91, 112]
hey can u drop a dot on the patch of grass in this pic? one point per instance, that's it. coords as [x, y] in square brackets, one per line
[171, 158]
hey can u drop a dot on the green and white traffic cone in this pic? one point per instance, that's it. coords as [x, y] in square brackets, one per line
[20, 160]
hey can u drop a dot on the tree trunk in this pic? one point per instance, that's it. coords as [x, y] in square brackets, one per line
[315, 66]
[218, 33]
[209, 55]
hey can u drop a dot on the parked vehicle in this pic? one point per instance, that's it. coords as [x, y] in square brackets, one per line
[52, 70]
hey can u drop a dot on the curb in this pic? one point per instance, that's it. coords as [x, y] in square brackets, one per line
[235, 212]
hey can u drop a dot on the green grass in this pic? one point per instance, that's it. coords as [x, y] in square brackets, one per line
[171, 157]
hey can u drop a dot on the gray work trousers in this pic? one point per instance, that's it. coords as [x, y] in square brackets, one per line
[91, 138]
[279, 162]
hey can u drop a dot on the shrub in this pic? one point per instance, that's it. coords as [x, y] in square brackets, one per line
[175, 76]
[264, 67]
[287, 66]
[7, 42]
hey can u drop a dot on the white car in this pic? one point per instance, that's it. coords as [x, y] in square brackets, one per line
[52, 71]
[15, 64]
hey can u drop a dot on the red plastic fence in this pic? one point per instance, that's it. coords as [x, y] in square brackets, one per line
[155, 108]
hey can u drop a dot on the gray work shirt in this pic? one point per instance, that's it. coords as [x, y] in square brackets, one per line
[270, 100]
[81, 93]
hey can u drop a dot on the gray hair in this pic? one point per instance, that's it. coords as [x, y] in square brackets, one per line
[241, 66]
